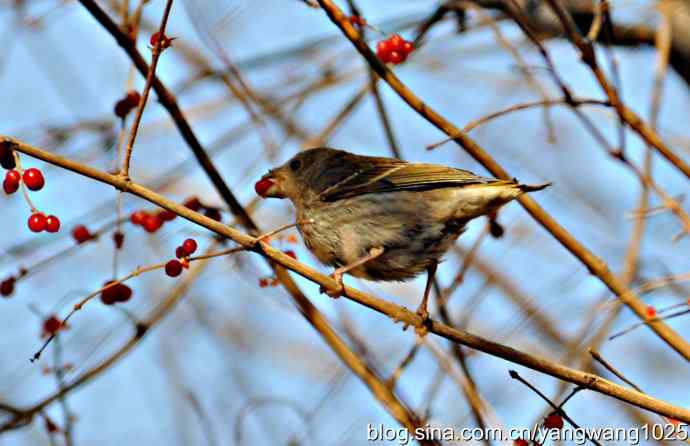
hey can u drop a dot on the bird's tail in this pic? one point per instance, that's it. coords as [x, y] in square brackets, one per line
[533, 188]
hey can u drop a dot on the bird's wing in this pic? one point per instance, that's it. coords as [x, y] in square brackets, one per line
[388, 175]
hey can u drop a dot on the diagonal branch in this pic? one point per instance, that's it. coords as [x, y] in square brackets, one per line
[396, 312]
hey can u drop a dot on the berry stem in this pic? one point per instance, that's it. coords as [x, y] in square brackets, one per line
[155, 55]
[25, 193]
[140, 270]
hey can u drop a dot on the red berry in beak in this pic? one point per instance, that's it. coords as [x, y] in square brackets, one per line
[263, 185]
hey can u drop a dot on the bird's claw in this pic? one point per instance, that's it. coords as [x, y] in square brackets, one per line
[334, 292]
[422, 329]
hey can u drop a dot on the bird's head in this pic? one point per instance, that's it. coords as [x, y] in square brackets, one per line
[299, 179]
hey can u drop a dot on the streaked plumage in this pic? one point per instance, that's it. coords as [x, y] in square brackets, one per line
[414, 211]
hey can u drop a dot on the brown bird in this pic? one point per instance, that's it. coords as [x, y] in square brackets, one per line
[382, 219]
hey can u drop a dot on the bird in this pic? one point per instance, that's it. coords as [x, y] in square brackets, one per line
[379, 218]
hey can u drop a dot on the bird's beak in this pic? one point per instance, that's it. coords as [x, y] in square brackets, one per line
[269, 187]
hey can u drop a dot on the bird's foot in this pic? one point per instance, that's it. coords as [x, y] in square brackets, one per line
[422, 329]
[337, 291]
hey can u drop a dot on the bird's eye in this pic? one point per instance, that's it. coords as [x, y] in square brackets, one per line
[295, 165]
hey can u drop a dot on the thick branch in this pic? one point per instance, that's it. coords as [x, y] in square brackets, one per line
[394, 311]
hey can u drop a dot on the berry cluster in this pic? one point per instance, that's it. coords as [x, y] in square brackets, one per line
[174, 267]
[153, 221]
[394, 49]
[38, 222]
[150, 221]
[34, 180]
[127, 104]
[119, 292]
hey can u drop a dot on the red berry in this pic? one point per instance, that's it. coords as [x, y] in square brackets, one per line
[152, 222]
[13, 176]
[37, 222]
[407, 47]
[396, 57]
[173, 268]
[124, 293]
[263, 282]
[81, 234]
[651, 311]
[119, 292]
[51, 326]
[33, 178]
[188, 247]
[118, 239]
[179, 252]
[167, 215]
[291, 253]
[520, 442]
[10, 187]
[396, 42]
[137, 217]
[383, 50]
[52, 223]
[11, 183]
[262, 186]
[133, 98]
[109, 295]
[122, 108]
[193, 203]
[7, 286]
[553, 421]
